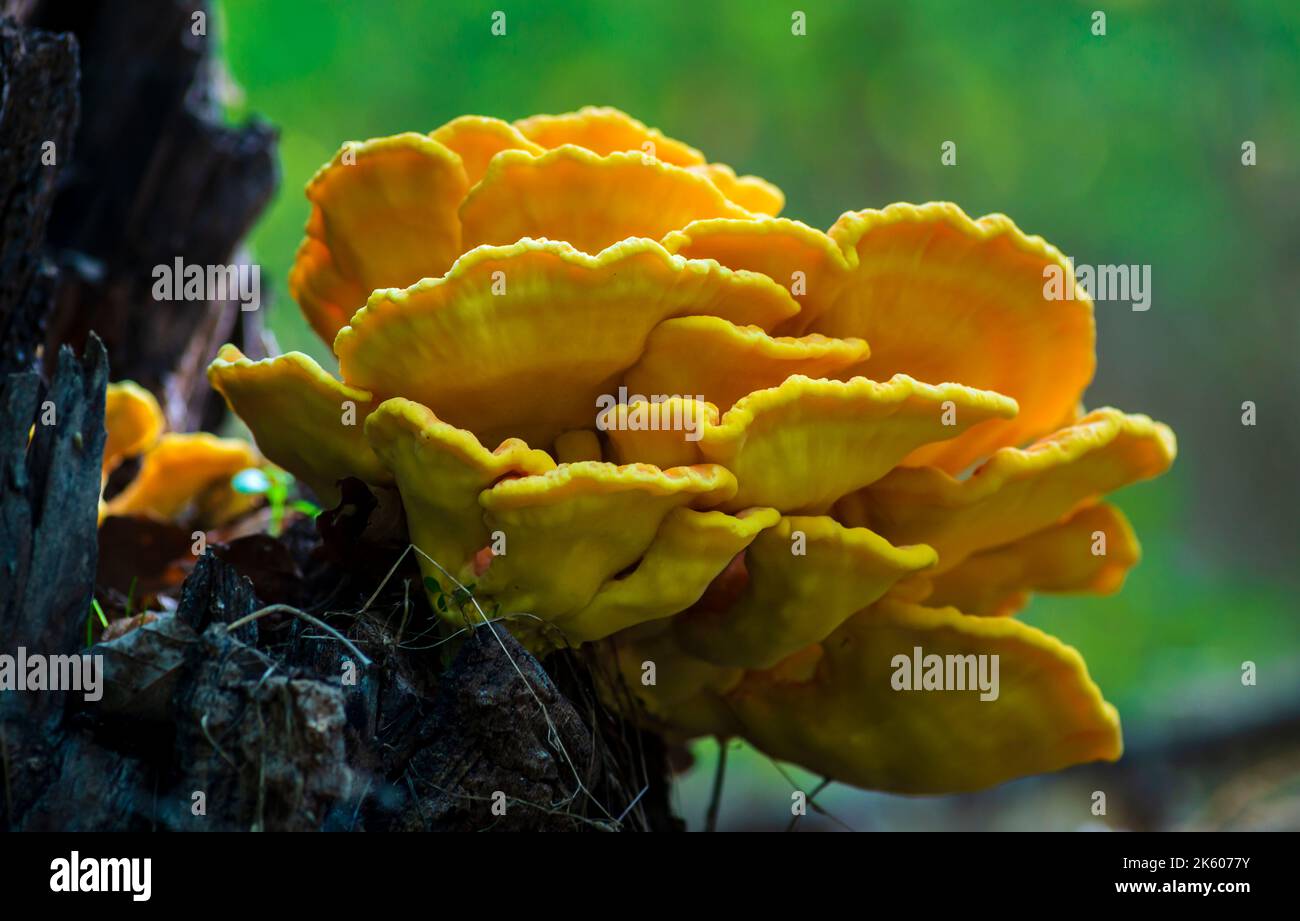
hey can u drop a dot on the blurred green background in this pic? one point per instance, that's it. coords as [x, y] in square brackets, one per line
[1123, 148]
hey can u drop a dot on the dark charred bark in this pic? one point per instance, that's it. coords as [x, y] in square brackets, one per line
[48, 497]
[206, 728]
[38, 114]
[156, 176]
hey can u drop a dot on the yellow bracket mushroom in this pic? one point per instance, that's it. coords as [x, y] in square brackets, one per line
[178, 473]
[639, 410]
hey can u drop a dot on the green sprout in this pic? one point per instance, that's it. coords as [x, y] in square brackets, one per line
[96, 611]
[275, 485]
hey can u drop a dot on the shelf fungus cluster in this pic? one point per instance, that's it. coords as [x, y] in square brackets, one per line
[886, 452]
[179, 475]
